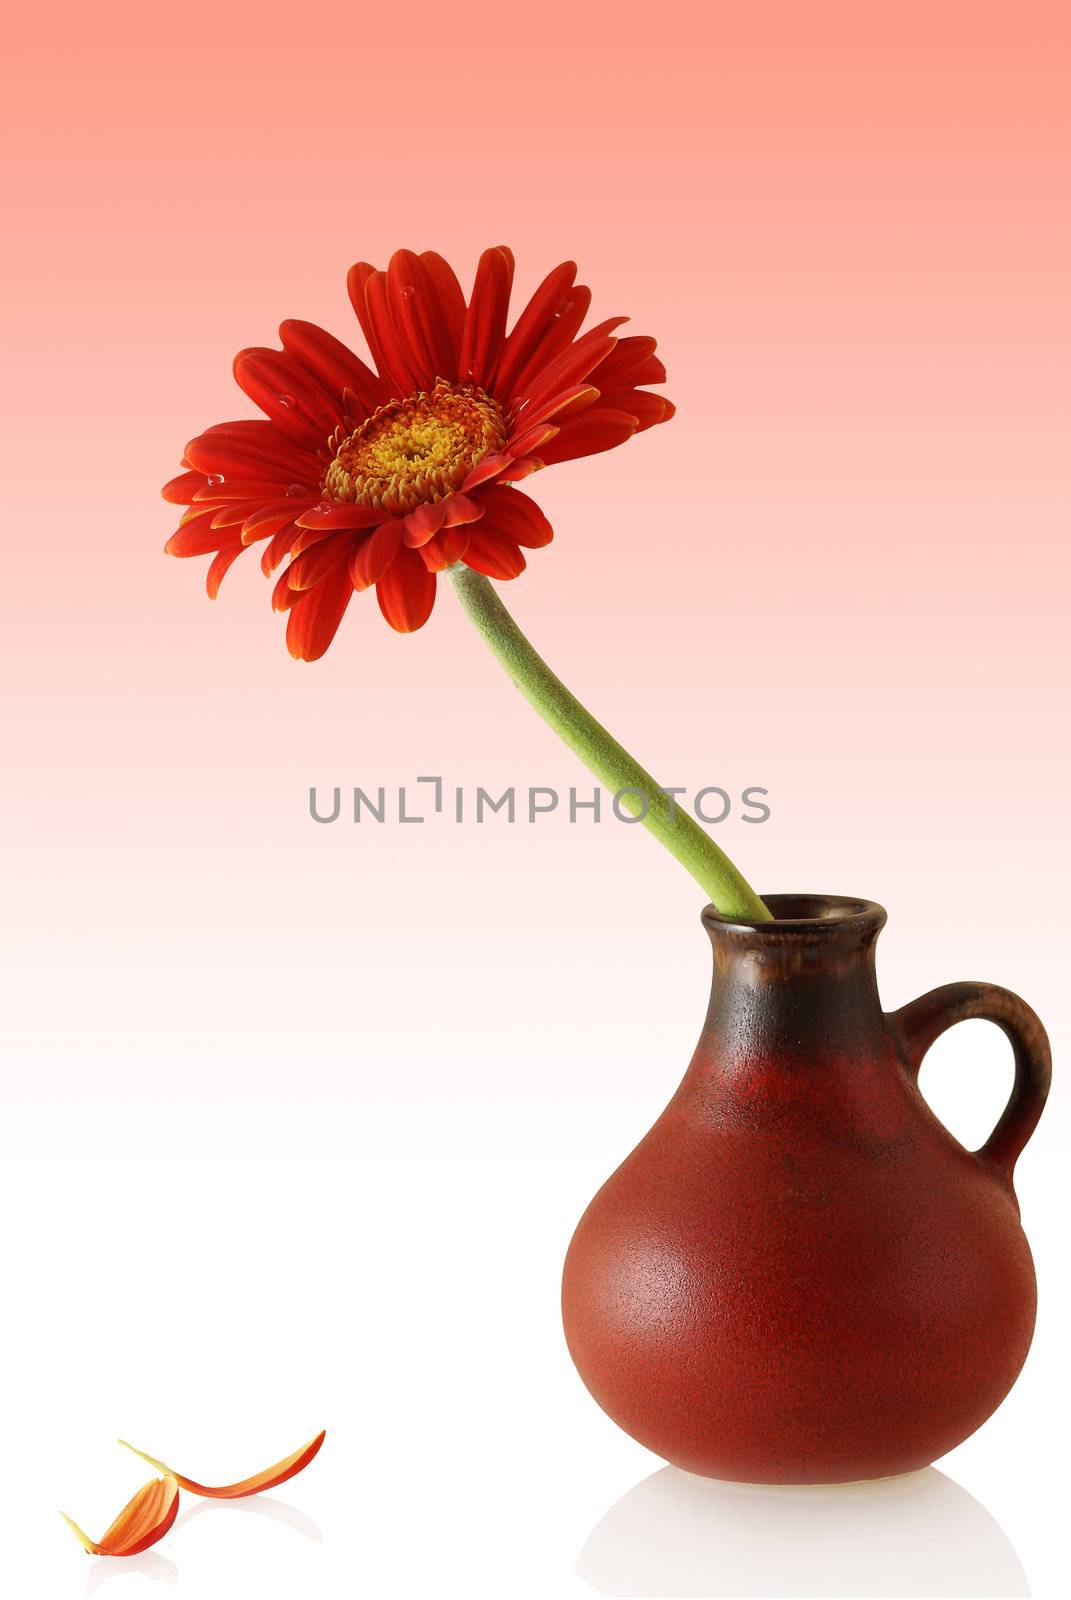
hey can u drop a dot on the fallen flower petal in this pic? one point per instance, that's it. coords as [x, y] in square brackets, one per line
[267, 1479]
[140, 1523]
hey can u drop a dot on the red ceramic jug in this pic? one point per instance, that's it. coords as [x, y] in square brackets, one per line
[799, 1275]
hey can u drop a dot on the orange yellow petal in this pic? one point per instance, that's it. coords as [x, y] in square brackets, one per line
[143, 1521]
[279, 1473]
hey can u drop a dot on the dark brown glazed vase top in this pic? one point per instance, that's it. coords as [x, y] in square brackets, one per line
[799, 1275]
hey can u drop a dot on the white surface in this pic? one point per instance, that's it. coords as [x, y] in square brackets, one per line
[373, 1243]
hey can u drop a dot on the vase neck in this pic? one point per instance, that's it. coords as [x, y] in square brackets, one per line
[801, 986]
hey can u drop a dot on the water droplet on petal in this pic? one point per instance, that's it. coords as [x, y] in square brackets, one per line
[296, 491]
[285, 400]
[214, 480]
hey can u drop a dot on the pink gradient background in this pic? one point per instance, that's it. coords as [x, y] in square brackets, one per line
[841, 572]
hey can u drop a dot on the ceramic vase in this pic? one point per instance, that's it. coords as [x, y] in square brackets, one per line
[799, 1275]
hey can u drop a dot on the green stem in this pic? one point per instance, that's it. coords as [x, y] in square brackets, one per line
[600, 751]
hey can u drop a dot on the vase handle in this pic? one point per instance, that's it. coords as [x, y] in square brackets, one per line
[926, 1018]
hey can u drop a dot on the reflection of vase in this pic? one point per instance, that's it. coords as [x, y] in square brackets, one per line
[799, 1275]
[674, 1535]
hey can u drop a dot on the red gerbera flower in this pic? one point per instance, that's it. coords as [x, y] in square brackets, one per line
[386, 477]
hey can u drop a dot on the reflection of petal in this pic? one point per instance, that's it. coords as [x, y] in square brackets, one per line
[696, 1539]
[259, 1506]
[151, 1564]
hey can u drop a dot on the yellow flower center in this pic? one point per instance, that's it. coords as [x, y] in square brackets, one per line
[416, 450]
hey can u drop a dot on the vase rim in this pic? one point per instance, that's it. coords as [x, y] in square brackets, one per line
[806, 916]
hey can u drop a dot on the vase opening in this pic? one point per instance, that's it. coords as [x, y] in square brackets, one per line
[804, 916]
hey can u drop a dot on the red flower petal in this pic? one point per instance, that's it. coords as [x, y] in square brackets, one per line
[196, 537]
[631, 357]
[357, 280]
[246, 449]
[193, 513]
[265, 522]
[519, 470]
[646, 408]
[460, 508]
[451, 302]
[600, 331]
[557, 338]
[531, 441]
[181, 490]
[650, 371]
[307, 570]
[375, 553]
[283, 597]
[510, 512]
[314, 620]
[289, 1467]
[569, 368]
[338, 514]
[305, 538]
[233, 513]
[293, 400]
[277, 549]
[485, 323]
[401, 366]
[559, 406]
[591, 432]
[446, 548]
[493, 554]
[224, 560]
[337, 368]
[547, 305]
[406, 592]
[492, 466]
[417, 314]
[233, 487]
[143, 1521]
[424, 523]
